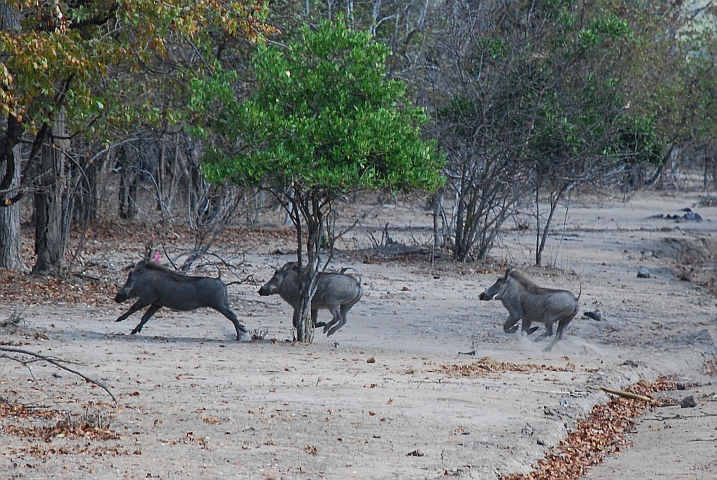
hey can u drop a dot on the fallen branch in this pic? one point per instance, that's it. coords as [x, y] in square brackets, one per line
[634, 396]
[56, 363]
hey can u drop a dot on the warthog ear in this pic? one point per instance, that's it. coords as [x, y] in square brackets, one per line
[287, 267]
[508, 271]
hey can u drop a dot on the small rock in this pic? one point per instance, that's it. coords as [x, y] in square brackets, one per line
[629, 363]
[643, 273]
[594, 315]
[688, 402]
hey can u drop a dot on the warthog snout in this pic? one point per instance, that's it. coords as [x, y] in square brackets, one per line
[530, 303]
[125, 292]
[495, 290]
[269, 288]
[487, 296]
[157, 287]
[335, 292]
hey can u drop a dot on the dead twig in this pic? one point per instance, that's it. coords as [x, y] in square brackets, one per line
[247, 279]
[56, 363]
[14, 319]
[620, 393]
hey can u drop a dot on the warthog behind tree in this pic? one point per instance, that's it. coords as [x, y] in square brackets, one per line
[335, 292]
[157, 287]
[529, 302]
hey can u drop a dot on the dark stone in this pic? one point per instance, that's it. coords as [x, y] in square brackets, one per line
[643, 273]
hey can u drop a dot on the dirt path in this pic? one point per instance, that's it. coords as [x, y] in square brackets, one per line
[381, 398]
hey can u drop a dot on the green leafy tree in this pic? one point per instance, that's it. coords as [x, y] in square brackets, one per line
[323, 119]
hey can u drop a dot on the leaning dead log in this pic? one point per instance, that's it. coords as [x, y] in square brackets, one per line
[621, 393]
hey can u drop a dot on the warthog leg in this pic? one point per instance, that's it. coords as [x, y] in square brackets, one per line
[342, 322]
[147, 315]
[314, 314]
[527, 328]
[333, 326]
[336, 319]
[511, 325]
[226, 311]
[547, 333]
[559, 334]
[138, 305]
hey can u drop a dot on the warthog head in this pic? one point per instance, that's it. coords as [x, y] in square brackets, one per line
[276, 283]
[126, 292]
[496, 291]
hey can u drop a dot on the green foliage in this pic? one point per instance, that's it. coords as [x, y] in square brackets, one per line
[578, 94]
[90, 58]
[322, 115]
[636, 141]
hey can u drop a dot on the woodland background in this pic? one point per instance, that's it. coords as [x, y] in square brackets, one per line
[526, 103]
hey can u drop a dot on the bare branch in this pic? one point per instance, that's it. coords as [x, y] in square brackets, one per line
[54, 362]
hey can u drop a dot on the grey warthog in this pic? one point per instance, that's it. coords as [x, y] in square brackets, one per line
[335, 292]
[158, 287]
[527, 301]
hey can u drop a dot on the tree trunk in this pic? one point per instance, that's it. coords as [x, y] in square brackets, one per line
[302, 314]
[84, 182]
[10, 172]
[439, 226]
[538, 250]
[50, 231]
[307, 206]
[10, 230]
[128, 185]
[542, 238]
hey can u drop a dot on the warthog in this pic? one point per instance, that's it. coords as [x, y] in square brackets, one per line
[527, 301]
[158, 287]
[335, 292]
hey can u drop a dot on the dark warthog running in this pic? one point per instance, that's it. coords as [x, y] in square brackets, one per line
[158, 287]
[527, 301]
[335, 292]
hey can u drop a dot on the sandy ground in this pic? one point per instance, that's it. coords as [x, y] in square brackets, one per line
[377, 400]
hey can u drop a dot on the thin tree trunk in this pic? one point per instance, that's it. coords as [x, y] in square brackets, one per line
[10, 229]
[307, 207]
[50, 234]
[439, 227]
[538, 250]
[10, 172]
[542, 238]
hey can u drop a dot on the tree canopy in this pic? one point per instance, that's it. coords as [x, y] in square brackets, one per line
[322, 115]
